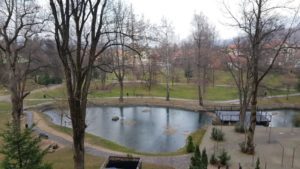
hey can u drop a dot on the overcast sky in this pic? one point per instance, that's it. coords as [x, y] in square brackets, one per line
[180, 14]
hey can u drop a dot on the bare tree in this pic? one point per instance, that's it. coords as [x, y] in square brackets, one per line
[267, 36]
[151, 69]
[187, 56]
[83, 31]
[124, 21]
[238, 64]
[203, 34]
[166, 51]
[19, 23]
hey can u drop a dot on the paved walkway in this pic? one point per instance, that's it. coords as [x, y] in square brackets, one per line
[270, 154]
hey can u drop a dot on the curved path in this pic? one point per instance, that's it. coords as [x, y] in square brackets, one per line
[177, 162]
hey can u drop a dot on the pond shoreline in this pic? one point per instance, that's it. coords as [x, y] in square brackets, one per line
[178, 151]
[189, 105]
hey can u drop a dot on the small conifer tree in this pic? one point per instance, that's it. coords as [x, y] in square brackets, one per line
[21, 149]
[204, 159]
[190, 145]
[257, 164]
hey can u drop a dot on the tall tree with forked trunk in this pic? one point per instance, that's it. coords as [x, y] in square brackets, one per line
[267, 32]
[83, 31]
[19, 23]
[203, 35]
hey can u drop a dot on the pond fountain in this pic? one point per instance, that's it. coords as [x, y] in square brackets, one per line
[144, 129]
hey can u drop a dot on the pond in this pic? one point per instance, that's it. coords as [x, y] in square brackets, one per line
[283, 118]
[144, 129]
[279, 118]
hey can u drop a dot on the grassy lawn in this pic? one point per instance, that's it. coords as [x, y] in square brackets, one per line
[274, 80]
[63, 159]
[35, 102]
[184, 91]
[223, 77]
[4, 115]
[59, 92]
[178, 90]
[30, 85]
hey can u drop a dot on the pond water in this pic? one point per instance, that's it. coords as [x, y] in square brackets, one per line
[144, 129]
[279, 118]
[283, 118]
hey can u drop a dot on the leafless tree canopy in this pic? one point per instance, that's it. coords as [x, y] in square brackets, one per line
[83, 31]
[203, 35]
[20, 22]
[267, 34]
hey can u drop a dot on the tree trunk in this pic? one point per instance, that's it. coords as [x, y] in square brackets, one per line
[288, 92]
[17, 104]
[78, 123]
[243, 106]
[204, 80]
[168, 91]
[243, 110]
[213, 77]
[17, 109]
[200, 95]
[250, 135]
[121, 99]
[78, 139]
[103, 79]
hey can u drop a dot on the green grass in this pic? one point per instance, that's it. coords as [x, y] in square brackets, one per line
[63, 159]
[30, 85]
[226, 91]
[4, 114]
[274, 80]
[59, 92]
[223, 78]
[4, 106]
[184, 91]
[197, 139]
[34, 102]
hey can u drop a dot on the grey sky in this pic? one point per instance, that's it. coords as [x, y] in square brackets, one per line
[180, 14]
